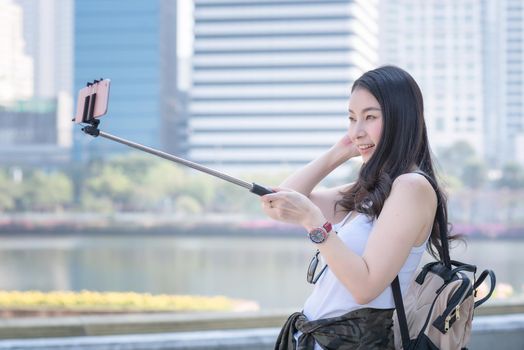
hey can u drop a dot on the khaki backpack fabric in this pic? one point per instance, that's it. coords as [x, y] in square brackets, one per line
[424, 307]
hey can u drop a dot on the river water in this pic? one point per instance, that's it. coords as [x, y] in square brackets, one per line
[269, 270]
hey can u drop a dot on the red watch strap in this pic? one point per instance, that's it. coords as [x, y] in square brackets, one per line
[327, 226]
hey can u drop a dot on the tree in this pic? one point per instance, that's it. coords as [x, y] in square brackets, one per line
[7, 192]
[46, 191]
[109, 184]
[512, 177]
[474, 174]
[453, 157]
[134, 165]
[459, 161]
[158, 186]
[188, 205]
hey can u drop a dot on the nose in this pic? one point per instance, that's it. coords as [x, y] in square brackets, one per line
[357, 131]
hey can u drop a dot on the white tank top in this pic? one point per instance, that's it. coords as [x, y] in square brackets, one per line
[331, 299]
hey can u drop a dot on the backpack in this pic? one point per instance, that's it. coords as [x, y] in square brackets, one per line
[437, 310]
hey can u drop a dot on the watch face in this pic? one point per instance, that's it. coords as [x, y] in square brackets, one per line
[317, 235]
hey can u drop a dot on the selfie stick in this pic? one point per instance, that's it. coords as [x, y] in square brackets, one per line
[93, 130]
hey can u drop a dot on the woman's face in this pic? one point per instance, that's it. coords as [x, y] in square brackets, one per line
[365, 122]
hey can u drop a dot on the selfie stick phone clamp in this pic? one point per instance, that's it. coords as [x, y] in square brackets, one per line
[92, 129]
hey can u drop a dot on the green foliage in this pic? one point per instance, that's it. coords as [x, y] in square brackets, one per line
[450, 183]
[46, 191]
[474, 173]
[199, 186]
[143, 183]
[7, 192]
[135, 165]
[512, 177]
[461, 166]
[451, 158]
[188, 205]
[97, 204]
[110, 183]
[229, 198]
[156, 187]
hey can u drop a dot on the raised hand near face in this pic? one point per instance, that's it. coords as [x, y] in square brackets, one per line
[345, 148]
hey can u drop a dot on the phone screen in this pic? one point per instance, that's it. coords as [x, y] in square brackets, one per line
[92, 101]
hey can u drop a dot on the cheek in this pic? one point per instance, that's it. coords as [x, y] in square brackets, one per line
[376, 130]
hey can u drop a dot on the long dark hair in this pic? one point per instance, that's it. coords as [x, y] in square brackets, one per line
[403, 142]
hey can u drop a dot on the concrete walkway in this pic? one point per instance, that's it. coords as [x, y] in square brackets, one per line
[489, 332]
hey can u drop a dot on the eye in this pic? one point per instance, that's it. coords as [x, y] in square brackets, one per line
[370, 117]
[351, 119]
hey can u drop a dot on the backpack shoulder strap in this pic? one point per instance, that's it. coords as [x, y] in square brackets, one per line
[395, 285]
[401, 313]
[440, 219]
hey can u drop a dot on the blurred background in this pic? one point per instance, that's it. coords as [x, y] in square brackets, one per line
[255, 89]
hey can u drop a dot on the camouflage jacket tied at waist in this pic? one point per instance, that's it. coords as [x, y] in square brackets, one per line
[359, 329]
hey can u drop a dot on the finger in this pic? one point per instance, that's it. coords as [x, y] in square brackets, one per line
[282, 189]
[271, 197]
[346, 140]
[265, 201]
[278, 192]
[268, 204]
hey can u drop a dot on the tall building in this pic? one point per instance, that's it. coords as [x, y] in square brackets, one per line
[440, 43]
[34, 128]
[503, 26]
[48, 34]
[16, 66]
[133, 43]
[271, 79]
[32, 132]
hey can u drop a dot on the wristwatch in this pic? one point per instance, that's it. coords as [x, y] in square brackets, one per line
[320, 234]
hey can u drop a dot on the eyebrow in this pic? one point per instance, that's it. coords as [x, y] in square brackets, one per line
[367, 110]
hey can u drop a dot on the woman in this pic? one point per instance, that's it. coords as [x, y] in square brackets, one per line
[369, 231]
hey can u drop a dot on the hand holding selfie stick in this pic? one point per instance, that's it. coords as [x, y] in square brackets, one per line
[91, 109]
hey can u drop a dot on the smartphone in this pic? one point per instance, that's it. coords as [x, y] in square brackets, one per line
[92, 101]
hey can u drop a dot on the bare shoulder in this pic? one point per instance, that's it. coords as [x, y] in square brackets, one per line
[413, 202]
[414, 186]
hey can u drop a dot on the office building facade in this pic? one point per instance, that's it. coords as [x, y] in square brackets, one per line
[16, 66]
[503, 28]
[440, 43]
[468, 57]
[134, 45]
[31, 133]
[48, 34]
[271, 79]
[32, 128]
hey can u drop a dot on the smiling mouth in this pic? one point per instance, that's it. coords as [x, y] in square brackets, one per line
[365, 147]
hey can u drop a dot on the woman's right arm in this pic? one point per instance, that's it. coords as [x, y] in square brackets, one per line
[307, 178]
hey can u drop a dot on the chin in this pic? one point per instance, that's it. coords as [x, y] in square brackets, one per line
[366, 159]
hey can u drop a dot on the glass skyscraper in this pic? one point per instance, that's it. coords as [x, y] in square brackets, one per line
[133, 43]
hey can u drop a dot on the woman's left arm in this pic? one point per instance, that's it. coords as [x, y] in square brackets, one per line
[405, 220]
